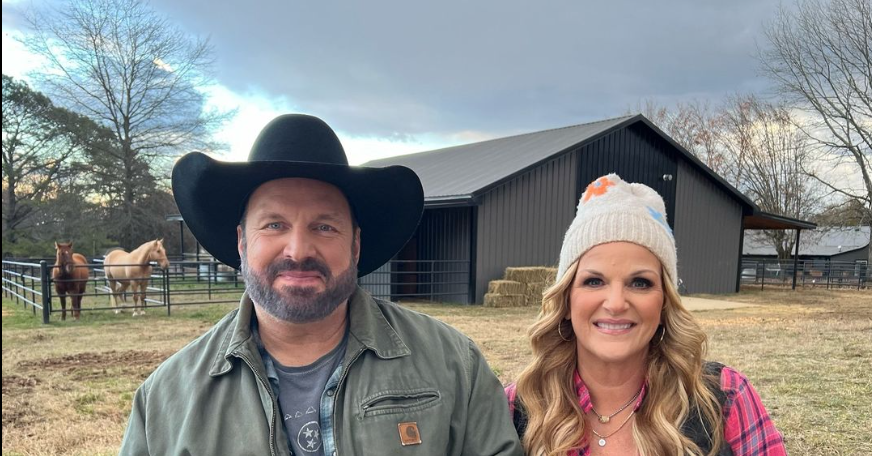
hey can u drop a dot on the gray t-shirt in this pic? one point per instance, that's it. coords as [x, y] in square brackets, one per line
[300, 390]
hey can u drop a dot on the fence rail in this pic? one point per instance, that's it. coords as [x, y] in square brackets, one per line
[421, 279]
[31, 284]
[809, 273]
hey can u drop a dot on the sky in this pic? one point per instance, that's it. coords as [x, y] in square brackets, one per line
[396, 76]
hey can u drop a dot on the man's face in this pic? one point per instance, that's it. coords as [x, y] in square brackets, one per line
[299, 249]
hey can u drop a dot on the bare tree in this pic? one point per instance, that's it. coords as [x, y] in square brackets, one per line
[39, 141]
[122, 64]
[770, 153]
[819, 57]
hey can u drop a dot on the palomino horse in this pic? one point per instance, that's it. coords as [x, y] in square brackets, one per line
[133, 268]
[70, 277]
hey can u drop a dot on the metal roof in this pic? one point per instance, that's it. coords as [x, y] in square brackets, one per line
[458, 175]
[462, 172]
[761, 220]
[826, 242]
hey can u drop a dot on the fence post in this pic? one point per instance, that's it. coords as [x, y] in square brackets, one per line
[46, 298]
[762, 274]
[209, 280]
[166, 289]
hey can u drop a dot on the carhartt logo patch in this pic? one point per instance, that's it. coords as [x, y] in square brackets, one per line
[409, 434]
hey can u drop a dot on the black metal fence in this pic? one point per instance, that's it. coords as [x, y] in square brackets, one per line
[809, 273]
[186, 283]
[433, 280]
[182, 283]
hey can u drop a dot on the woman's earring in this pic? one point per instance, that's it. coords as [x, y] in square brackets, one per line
[662, 334]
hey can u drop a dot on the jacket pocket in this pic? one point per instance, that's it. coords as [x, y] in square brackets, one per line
[399, 401]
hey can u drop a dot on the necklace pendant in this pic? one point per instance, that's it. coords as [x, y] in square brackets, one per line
[604, 419]
[602, 442]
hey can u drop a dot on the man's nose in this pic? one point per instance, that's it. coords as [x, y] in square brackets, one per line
[299, 245]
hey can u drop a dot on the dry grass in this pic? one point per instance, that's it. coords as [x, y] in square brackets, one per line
[67, 386]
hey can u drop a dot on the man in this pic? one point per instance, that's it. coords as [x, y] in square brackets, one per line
[309, 364]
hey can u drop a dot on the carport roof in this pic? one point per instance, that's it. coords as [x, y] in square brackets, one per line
[760, 220]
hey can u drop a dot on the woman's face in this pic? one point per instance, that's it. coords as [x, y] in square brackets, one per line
[615, 303]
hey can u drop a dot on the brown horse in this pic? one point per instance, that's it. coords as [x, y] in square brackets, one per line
[70, 277]
[133, 269]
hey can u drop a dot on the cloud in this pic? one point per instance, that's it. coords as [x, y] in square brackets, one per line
[398, 69]
[391, 75]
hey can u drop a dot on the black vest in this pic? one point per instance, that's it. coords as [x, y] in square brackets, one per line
[693, 426]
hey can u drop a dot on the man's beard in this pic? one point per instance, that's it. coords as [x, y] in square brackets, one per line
[298, 304]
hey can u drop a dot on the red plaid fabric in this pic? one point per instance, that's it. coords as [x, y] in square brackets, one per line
[748, 429]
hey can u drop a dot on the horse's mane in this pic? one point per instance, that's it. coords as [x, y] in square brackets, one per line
[139, 254]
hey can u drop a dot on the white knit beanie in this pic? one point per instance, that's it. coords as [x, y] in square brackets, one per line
[611, 210]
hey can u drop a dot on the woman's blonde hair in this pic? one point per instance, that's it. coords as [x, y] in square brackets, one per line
[677, 385]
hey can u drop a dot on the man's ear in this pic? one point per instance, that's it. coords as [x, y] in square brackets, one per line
[356, 245]
[239, 235]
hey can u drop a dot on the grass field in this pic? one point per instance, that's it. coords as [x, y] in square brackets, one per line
[67, 386]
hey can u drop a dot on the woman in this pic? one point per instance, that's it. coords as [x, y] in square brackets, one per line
[618, 362]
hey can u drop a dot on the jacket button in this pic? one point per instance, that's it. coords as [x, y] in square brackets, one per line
[330, 393]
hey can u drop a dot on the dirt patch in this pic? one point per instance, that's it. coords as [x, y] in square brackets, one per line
[13, 384]
[22, 414]
[101, 361]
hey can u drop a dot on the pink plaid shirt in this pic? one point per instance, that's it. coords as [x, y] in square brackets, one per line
[747, 428]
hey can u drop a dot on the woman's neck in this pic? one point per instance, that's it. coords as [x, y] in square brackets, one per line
[611, 385]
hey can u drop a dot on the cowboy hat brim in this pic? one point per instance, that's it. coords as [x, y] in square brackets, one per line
[211, 196]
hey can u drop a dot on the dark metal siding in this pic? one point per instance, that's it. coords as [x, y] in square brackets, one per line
[708, 231]
[444, 237]
[522, 222]
[859, 254]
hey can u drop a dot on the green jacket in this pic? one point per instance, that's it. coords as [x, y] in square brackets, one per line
[213, 396]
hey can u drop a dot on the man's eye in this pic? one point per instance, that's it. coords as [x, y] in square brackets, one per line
[325, 228]
[274, 225]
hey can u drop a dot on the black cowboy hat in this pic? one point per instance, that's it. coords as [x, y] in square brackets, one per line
[211, 195]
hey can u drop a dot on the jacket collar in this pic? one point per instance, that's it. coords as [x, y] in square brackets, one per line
[367, 326]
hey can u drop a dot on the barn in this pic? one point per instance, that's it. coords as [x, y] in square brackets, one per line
[508, 201]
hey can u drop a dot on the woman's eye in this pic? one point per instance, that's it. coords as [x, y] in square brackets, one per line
[641, 283]
[593, 282]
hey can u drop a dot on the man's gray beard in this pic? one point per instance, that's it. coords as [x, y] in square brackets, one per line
[298, 304]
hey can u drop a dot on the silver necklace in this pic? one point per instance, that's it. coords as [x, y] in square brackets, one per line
[605, 418]
[602, 438]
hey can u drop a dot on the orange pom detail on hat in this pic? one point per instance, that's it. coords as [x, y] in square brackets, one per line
[597, 188]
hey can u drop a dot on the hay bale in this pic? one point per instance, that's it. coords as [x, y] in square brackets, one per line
[506, 287]
[534, 291]
[531, 274]
[501, 300]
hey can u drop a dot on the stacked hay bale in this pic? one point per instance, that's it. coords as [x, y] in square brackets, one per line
[521, 287]
[535, 279]
[505, 293]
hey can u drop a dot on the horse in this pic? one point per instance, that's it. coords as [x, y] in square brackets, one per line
[70, 277]
[133, 268]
